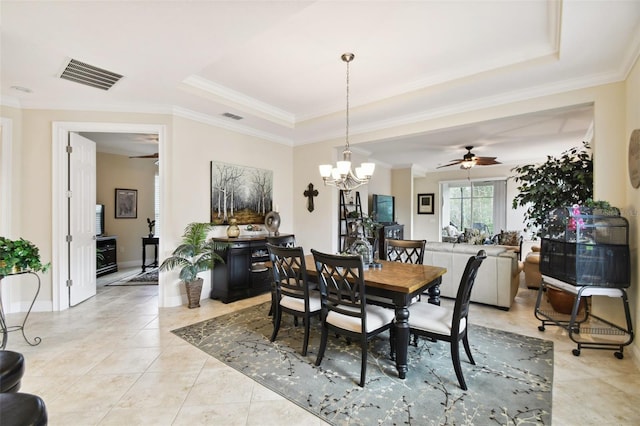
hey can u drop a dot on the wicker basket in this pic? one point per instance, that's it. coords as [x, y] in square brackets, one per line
[194, 290]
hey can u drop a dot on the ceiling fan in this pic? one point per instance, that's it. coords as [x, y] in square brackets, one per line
[469, 160]
[146, 156]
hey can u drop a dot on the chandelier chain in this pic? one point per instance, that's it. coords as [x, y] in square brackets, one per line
[347, 134]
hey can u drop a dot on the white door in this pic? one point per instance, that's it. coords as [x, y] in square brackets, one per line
[82, 219]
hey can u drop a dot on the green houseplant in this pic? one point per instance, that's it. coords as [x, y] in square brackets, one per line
[20, 255]
[194, 255]
[558, 182]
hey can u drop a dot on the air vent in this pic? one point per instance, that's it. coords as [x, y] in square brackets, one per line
[229, 115]
[89, 75]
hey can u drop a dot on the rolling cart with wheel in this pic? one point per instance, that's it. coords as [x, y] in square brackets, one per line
[584, 253]
[582, 324]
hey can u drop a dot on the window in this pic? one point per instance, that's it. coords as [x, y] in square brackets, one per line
[477, 205]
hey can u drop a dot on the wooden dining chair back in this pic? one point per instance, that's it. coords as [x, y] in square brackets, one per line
[292, 292]
[451, 325]
[288, 240]
[344, 304]
[405, 251]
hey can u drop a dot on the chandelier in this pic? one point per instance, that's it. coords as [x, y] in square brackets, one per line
[341, 176]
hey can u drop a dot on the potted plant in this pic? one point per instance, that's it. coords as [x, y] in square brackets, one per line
[558, 182]
[194, 255]
[20, 255]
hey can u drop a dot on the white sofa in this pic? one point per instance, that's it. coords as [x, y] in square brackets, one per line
[498, 277]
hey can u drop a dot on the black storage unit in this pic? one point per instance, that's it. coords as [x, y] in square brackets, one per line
[244, 273]
[108, 247]
[388, 232]
[583, 247]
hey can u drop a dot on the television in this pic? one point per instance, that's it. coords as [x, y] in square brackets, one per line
[99, 219]
[383, 207]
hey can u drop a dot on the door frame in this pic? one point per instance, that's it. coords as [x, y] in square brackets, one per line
[60, 133]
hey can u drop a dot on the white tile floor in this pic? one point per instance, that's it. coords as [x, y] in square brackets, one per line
[113, 361]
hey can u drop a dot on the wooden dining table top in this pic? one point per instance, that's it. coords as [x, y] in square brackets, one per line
[393, 276]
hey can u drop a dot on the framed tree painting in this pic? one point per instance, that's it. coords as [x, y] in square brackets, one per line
[126, 203]
[425, 204]
[244, 193]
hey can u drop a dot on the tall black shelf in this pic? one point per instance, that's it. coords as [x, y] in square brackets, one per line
[347, 205]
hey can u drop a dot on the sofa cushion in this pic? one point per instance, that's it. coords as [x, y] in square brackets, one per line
[497, 280]
[436, 246]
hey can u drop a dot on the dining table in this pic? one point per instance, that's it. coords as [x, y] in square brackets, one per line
[400, 283]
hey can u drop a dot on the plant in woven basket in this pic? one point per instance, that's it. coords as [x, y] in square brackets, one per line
[195, 254]
[20, 255]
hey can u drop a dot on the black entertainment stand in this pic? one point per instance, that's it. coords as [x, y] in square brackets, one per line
[107, 246]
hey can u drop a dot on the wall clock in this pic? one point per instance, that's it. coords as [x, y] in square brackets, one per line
[634, 158]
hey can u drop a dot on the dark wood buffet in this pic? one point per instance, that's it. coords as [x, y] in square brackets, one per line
[244, 273]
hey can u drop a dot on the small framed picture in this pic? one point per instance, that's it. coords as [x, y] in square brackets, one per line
[126, 203]
[425, 204]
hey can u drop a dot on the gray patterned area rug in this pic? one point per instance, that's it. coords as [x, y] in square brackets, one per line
[143, 278]
[509, 385]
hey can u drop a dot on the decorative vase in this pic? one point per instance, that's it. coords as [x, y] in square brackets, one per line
[272, 222]
[194, 291]
[233, 231]
[363, 248]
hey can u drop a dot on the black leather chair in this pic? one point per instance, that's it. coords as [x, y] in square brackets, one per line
[11, 371]
[451, 325]
[22, 409]
[344, 304]
[18, 409]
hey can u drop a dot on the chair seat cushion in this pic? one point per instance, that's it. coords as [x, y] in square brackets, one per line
[377, 317]
[432, 318]
[11, 370]
[21, 409]
[297, 304]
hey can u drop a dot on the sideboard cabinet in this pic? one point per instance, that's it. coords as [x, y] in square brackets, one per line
[244, 272]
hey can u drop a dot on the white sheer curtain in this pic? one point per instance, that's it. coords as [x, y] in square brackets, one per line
[499, 217]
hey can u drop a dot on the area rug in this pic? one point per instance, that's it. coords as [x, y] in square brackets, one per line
[143, 278]
[510, 384]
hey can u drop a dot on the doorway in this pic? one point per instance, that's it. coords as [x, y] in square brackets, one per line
[60, 173]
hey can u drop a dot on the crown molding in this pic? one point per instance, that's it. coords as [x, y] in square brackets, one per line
[229, 125]
[239, 100]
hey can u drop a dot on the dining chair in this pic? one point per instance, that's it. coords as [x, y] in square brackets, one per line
[447, 324]
[406, 251]
[344, 304]
[288, 240]
[292, 292]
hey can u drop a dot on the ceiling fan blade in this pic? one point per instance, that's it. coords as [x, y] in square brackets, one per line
[470, 156]
[486, 161]
[452, 163]
[146, 156]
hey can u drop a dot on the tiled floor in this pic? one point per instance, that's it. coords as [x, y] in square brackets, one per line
[113, 361]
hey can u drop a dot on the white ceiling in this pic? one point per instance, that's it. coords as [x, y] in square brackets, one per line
[277, 64]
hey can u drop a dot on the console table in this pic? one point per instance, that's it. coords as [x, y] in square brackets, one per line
[149, 241]
[5, 329]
